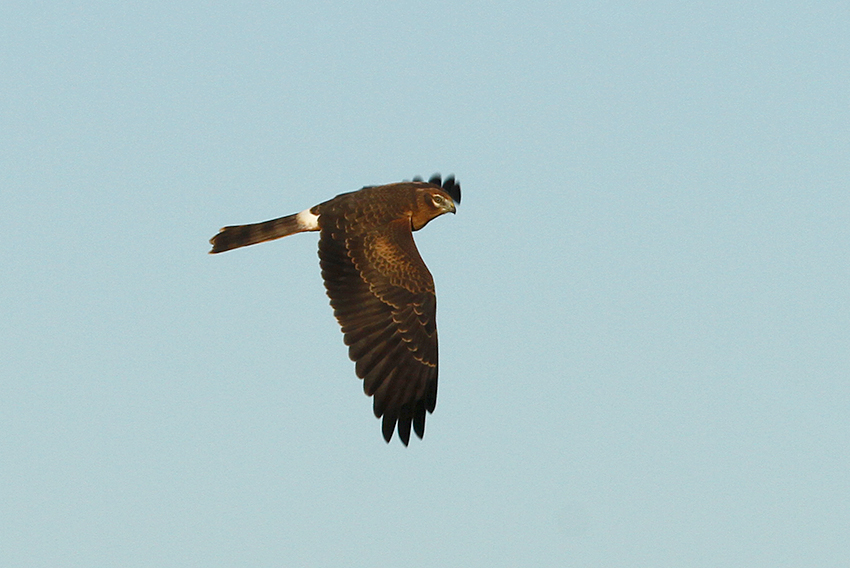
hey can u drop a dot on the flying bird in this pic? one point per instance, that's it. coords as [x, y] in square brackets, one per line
[380, 290]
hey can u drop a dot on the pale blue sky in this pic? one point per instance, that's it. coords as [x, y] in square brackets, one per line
[644, 306]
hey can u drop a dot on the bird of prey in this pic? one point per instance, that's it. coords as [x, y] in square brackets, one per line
[381, 291]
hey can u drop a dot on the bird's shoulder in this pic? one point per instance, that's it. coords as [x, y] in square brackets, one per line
[369, 207]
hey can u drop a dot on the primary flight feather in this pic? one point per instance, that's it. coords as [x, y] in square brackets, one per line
[380, 289]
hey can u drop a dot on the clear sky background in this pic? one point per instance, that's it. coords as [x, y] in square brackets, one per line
[644, 306]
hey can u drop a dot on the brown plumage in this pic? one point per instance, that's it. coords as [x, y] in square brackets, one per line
[380, 289]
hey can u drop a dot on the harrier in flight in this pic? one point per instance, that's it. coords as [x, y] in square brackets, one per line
[381, 291]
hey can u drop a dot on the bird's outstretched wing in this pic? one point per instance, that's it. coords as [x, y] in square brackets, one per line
[383, 298]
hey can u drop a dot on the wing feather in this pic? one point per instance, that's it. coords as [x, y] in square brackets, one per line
[383, 298]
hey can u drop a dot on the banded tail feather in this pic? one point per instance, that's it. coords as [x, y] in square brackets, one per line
[236, 236]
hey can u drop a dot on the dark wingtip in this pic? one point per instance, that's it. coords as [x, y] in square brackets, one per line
[452, 187]
[388, 428]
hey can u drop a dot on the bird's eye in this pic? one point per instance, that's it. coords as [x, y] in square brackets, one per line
[437, 199]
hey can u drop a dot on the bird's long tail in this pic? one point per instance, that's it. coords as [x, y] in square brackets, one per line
[237, 236]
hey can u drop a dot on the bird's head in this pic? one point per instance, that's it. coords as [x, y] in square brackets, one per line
[433, 199]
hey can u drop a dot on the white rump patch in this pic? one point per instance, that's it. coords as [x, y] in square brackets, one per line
[307, 221]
